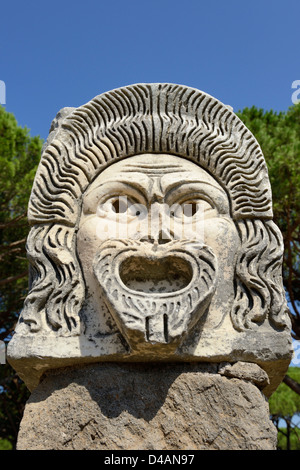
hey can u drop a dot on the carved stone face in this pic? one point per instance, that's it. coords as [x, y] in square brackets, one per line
[139, 255]
[157, 243]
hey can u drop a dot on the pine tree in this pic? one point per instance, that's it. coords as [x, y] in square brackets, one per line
[279, 137]
[19, 157]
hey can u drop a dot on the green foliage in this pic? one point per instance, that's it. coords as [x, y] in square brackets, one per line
[294, 439]
[13, 396]
[285, 408]
[285, 403]
[5, 444]
[19, 157]
[279, 137]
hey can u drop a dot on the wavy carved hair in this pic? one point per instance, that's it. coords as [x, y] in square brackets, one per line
[148, 118]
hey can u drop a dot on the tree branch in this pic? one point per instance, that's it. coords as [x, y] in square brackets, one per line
[11, 222]
[295, 225]
[13, 278]
[13, 244]
[295, 386]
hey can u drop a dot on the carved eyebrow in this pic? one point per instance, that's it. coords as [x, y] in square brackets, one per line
[153, 165]
[177, 184]
[136, 186]
[154, 170]
[222, 204]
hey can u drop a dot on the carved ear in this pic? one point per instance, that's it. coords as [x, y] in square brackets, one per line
[259, 288]
[56, 282]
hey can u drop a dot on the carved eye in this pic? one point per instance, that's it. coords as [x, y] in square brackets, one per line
[121, 206]
[190, 209]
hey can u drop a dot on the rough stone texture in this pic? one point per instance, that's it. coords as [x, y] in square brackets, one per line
[163, 407]
[213, 293]
[246, 371]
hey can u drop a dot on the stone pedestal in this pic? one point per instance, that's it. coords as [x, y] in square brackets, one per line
[148, 407]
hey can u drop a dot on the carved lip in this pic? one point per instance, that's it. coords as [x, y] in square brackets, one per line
[122, 268]
[156, 275]
[157, 293]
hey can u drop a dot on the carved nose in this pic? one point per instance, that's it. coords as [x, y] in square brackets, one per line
[158, 229]
[160, 238]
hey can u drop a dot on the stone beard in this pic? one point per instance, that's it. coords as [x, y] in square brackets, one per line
[160, 277]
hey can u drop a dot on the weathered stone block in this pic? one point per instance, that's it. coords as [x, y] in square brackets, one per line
[147, 407]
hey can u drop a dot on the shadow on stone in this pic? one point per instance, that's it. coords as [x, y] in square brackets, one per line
[140, 389]
[146, 407]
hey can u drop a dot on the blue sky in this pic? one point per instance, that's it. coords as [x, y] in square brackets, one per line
[63, 53]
